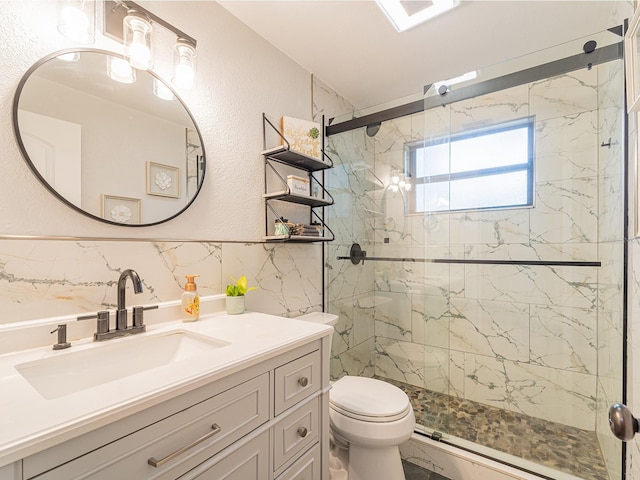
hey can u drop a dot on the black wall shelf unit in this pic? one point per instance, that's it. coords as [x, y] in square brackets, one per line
[306, 165]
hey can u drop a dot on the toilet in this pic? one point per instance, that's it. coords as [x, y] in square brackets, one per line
[369, 418]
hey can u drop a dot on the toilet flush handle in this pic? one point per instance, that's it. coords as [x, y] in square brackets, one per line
[622, 422]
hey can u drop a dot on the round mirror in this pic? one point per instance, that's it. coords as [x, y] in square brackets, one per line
[114, 143]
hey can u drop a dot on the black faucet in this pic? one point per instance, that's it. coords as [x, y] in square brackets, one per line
[103, 332]
[121, 312]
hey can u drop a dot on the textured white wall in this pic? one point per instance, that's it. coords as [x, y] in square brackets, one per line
[239, 77]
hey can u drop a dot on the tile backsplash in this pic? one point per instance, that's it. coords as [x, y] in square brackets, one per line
[50, 278]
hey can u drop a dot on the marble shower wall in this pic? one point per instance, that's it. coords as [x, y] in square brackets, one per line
[540, 340]
[60, 277]
[350, 291]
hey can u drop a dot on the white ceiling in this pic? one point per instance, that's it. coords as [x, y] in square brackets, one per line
[352, 47]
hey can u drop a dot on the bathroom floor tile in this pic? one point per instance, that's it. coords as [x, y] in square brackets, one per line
[554, 445]
[415, 472]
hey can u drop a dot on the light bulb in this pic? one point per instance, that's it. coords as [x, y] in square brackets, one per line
[395, 176]
[76, 21]
[138, 40]
[394, 188]
[161, 91]
[401, 180]
[184, 60]
[119, 70]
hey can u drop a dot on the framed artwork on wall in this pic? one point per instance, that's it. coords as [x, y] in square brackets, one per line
[163, 180]
[632, 63]
[121, 209]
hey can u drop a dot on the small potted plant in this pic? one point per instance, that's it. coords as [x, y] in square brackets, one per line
[235, 295]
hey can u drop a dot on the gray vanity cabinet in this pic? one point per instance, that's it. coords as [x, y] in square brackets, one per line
[265, 422]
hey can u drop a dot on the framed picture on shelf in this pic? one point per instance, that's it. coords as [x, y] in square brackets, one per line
[163, 180]
[124, 210]
[632, 63]
[302, 135]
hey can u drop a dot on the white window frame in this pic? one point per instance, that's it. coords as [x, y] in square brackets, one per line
[412, 148]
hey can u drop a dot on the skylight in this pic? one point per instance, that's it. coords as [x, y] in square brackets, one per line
[406, 14]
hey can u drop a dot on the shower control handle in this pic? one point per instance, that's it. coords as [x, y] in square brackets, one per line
[622, 422]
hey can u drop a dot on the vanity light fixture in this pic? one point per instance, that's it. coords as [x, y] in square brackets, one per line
[407, 184]
[184, 62]
[161, 91]
[137, 39]
[395, 176]
[399, 181]
[119, 70]
[403, 17]
[131, 24]
[76, 20]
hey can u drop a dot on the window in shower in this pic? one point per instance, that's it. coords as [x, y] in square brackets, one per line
[489, 167]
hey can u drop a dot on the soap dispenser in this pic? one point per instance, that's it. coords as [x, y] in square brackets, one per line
[191, 300]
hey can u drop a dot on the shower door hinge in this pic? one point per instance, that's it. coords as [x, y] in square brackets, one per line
[437, 436]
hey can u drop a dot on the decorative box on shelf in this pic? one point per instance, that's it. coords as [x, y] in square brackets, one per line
[298, 185]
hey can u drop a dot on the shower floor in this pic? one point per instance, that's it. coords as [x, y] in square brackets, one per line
[554, 445]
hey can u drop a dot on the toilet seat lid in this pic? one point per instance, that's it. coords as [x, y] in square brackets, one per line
[368, 398]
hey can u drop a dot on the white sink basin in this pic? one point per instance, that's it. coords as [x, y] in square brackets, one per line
[73, 372]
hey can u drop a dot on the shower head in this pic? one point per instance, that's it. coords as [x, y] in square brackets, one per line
[590, 46]
[373, 129]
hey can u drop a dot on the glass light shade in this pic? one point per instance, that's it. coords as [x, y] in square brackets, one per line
[184, 62]
[161, 91]
[394, 187]
[137, 40]
[401, 181]
[76, 20]
[119, 70]
[395, 176]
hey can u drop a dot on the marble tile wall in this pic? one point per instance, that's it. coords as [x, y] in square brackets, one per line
[538, 340]
[350, 288]
[59, 277]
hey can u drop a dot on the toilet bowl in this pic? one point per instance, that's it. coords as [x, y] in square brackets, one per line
[370, 418]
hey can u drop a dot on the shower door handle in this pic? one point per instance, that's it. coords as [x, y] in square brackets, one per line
[622, 422]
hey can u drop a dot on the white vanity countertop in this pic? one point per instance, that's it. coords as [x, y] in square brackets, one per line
[30, 423]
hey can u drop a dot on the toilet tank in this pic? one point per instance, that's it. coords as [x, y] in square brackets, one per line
[321, 317]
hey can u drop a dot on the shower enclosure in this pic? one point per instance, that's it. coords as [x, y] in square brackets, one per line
[492, 213]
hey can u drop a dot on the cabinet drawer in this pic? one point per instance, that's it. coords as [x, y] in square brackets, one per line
[306, 467]
[296, 380]
[193, 435]
[295, 432]
[249, 462]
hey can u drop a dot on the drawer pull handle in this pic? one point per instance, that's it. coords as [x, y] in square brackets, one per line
[158, 463]
[303, 381]
[302, 431]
